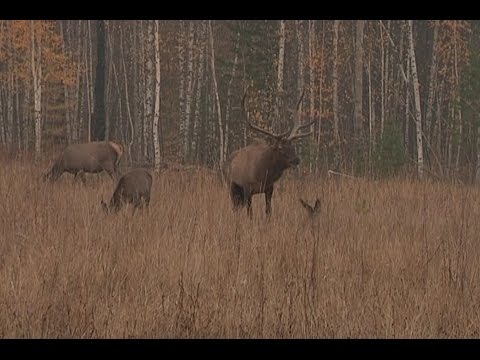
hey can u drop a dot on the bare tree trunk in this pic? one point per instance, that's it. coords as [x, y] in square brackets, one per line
[137, 108]
[77, 95]
[66, 92]
[188, 93]
[382, 100]
[8, 128]
[358, 105]
[320, 93]
[37, 87]
[229, 92]
[200, 73]
[477, 173]
[433, 80]
[277, 124]
[26, 120]
[300, 72]
[407, 109]
[371, 119]
[99, 111]
[215, 89]
[335, 92]
[459, 111]
[182, 73]
[300, 58]
[125, 83]
[311, 79]
[2, 120]
[89, 84]
[156, 115]
[149, 100]
[416, 91]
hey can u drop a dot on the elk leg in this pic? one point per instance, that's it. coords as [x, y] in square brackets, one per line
[81, 175]
[268, 200]
[247, 195]
[236, 193]
[55, 172]
[112, 173]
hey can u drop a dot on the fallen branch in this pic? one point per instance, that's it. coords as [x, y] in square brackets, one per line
[331, 172]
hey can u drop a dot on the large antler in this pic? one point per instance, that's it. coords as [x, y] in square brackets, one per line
[293, 133]
[255, 127]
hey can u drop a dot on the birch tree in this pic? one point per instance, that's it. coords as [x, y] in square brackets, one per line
[36, 63]
[281, 63]
[215, 89]
[156, 115]
[358, 104]
[416, 92]
[336, 132]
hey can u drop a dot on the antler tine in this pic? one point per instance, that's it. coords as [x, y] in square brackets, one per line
[296, 123]
[252, 125]
[297, 136]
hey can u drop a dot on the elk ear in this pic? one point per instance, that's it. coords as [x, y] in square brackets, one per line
[316, 208]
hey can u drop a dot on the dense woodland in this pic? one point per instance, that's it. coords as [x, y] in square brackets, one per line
[390, 96]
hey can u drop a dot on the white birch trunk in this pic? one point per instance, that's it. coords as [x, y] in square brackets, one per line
[188, 93]
[416, 92]
[459, 111]
[229, 93]
[8, 129]
[477, 173]
[433, 80]
[371, 125]
[149, 91]
[181, 70]
[407, 107]
[358, 105]
[281, 64]
[311, 54]
[215, 89]
[37, 88]
[156, 115]
[335, 82]
[89, 65]
[26, 120]
[198, 95]
[125, 83]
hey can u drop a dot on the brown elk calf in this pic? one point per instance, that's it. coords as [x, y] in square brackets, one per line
[134, 187]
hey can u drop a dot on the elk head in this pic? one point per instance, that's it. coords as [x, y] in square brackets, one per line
[312, 210]
[283, 143]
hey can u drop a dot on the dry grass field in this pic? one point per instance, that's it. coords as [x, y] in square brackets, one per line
[386, 259]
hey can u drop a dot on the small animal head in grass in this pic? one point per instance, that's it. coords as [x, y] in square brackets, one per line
[312, 210]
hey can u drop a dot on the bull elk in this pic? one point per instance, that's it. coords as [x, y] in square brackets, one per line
[255, 168]
[134, 187]
[92, 157]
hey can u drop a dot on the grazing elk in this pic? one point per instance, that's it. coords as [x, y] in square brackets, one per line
[92, 157]
[134, 187]
[255, 168]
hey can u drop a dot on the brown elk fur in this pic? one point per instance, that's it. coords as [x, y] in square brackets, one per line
[134, 187]
[92, 157]
[255, 168]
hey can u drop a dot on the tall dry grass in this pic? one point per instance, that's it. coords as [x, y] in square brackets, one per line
[390, 259]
